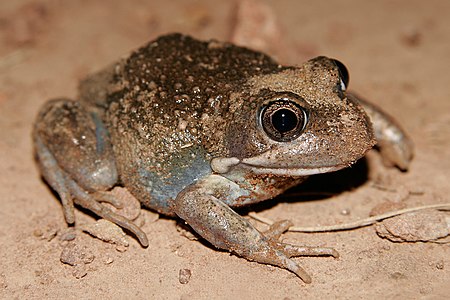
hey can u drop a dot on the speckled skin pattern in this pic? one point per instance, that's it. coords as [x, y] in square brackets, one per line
[171, 136]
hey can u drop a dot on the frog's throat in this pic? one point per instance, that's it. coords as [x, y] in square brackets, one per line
[225, 164]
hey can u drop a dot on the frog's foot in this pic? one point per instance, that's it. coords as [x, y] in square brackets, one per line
[71, 193]
[91, 201]
[278, 228]
[225, 229]
[75, 157]
[283, 251]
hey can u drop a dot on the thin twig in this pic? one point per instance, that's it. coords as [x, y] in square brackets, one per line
[355, 224]
[13, 58]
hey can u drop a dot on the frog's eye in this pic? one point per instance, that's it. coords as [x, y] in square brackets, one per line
[343, 74]
[283, 120]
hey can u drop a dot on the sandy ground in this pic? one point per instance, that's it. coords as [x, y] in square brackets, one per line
[398, 56]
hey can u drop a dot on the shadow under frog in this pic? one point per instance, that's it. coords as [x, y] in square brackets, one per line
[194, 128]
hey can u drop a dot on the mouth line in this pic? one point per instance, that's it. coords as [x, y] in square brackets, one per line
[292, 171]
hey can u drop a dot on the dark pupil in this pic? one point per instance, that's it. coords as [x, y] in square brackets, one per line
[284, 120]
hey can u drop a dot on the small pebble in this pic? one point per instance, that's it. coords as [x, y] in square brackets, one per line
[121, 248]
[184, 276]
[68, 236]
[79, 271]
[107, 231]
[345, 212]
[73, 255]
[440, 265]
[109, 260]
[419, 226]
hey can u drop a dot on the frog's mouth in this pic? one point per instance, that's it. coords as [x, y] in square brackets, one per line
[258, 166]
[293, 164]
[291, 171]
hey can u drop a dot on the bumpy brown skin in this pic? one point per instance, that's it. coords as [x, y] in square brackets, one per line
[178, 123]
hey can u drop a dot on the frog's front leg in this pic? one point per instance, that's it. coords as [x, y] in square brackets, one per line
[396, 148]
[76, 159]
[199, 205]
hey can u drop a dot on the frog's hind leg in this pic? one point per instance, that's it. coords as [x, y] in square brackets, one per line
[76, 159]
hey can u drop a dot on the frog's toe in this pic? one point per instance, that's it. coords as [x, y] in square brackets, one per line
[88, 201]
[56, 178]
[278, 228]
[399, 153]
[295, 251]
[108, 197]
[280, 254]
[282, 258]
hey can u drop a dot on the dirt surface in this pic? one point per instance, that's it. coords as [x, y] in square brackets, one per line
[398, 56]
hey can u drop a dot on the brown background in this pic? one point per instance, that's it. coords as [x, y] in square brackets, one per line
[398, 54]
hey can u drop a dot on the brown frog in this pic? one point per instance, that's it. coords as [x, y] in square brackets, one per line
[194, 128]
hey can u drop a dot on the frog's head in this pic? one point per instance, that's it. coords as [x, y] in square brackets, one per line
[297, 122]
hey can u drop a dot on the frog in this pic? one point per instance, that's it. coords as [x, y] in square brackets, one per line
[196, 129]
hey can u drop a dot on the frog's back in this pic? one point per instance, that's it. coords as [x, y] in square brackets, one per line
[167, 107]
